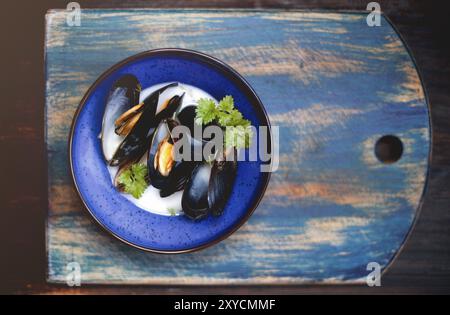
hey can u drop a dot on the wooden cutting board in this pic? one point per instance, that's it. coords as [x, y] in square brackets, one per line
[332, 84]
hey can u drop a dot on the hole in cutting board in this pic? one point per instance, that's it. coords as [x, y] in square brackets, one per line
[389, 149]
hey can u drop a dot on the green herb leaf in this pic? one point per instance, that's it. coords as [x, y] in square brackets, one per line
[226, 104]
[226, 116]
[206, 111]
[238, 137]
[133, 180]
[139, 170]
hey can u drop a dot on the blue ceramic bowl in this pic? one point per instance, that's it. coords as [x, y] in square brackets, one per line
[124, 220]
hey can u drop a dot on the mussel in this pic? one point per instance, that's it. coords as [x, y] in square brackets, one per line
[209, 186]
[135, 144]
[121, 169]
[123, 95]
[195, 195]
[186, 117]
[223, 173]
[127, 120]
[165, 172]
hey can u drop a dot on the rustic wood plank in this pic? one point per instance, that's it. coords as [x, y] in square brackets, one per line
[337, 194]
[419, 22]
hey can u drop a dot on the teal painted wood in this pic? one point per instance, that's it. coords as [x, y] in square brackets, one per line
[331, 83]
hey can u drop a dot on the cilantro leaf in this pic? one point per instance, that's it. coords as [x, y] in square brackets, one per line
[236, 118]
[206, 111]
[226, 104]
[238, 132]
[139, 170]
[133, 180]
[238, 137]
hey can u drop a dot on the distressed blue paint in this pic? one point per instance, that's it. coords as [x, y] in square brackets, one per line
[331, 207]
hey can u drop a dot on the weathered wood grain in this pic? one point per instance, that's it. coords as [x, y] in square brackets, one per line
[423, 265]
[330, 186]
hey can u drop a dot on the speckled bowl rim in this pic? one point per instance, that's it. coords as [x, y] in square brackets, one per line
[225, 69]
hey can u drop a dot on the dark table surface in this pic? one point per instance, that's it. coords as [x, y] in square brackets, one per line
[423, 266]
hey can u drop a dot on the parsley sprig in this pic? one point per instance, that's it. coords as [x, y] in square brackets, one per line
[133, 180]
[238, 131]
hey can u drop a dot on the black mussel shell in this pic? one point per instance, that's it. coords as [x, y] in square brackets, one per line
[186, 117]
[177, 178]
[172, 106]
[223, 173]
[132, 86]
[134, 146]
[195, 196]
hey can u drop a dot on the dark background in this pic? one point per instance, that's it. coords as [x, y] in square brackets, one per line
[422, 267]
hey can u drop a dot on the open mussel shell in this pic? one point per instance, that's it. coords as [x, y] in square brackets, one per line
[127, 120]
[123, 95]
[135, 144]
[165, 172]
[160, 153]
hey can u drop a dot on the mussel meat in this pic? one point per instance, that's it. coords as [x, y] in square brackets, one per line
[165, 172]
[127, 120]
